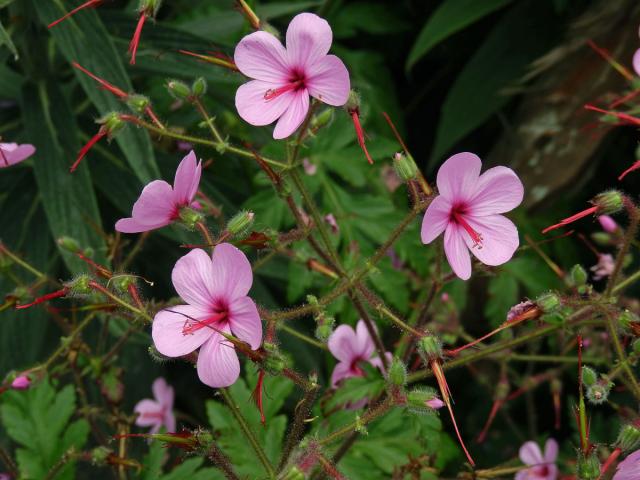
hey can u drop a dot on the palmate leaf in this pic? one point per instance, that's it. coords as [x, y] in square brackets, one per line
[85, 39]
[69, 200]
[38, 420]
[190, 468]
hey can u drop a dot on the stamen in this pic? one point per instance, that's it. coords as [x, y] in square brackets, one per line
[475, 236]
[196, 325]
[276, 92]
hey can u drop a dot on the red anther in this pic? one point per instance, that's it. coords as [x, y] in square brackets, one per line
[632, 168]
[256, 395]
[133, 46]
[572, 218]
[84, 150]
[90, 3]
[355, 116]
[49, 296]
[106, 85]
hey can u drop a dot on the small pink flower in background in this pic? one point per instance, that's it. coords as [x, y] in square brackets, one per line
[309, 168]
[543, 467]
[468, 210]
[159, 204]
[435, 403]
[444, 297]
[12, 153]
[331, 221]
[215, 289]
[158, 412]
[636, 62]
[283, 78]
[21, 382]
[604, 267]
[607, 223]
[5, 476]
[629, 468]
[351, 347]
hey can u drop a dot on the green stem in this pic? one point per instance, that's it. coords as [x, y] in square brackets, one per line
[366, 418]
[629, 236]
[209, 121]
[622, 358]
[626, 282]
[4, 250]
[302, 336]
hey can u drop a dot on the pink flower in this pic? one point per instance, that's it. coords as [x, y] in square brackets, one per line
[542, 467]
[159, 205]
[351, 347]
[215, 289]
[607, 223]
[158, 412]
[12, 153]
[604, 267]
[636, 62]
[467, 211]
[629, 468]
[21, 382]
[285, 77]
[331, 221]
[435, 403]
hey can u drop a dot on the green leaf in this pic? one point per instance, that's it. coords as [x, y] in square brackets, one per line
[503, 294]
[38, 420]
[5, 39]
[85, 39]
[69, 200]
[450, 17]
[523, 34]
[10, 83]
[356, 389]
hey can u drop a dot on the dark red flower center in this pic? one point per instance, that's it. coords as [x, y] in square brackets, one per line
[296, 82]
[542, 471]
[458, 213]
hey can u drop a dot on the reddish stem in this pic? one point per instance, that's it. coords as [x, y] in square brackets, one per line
[609, 461]
[632, 168]
[49, 296]
[106, 85]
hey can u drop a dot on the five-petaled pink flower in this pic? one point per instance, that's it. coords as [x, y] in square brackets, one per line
[542, 467]
[605, 266]
[629, 468]
[158, 412]
[468, 210]
[12, 153]
[159, 204]
[283, 78]
[351, 347]
[215, 289]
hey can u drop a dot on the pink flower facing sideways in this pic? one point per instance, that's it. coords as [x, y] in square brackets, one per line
[159, 204]
[351, 347]
[215, 289]
[542, 467]
[284, 78]
[158, 412]
[629, 468]
[12, 153]
[468, 210]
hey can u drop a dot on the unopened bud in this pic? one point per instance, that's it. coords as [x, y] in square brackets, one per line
[190, 217]
[588, 468]
[100, 455]
[608, 202]
[397, 373]
[21, 382]
[628, 438]
[80, 285]
[122, 282]
[578, 276]
[548, 302]
[275, 361]
[199, 87]
[69, 244]
[423, 400]
[324, 331]
[430, 347]
[353, 102]
[138, 103]
[601, 238]
[405, 166]
[179, 90]
[322, 119]
[240, 224]
[111, 123]
[589, 376]
[598, 393]
[626, 319]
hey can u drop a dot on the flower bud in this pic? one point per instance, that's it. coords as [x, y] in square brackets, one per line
[240, 224]
[601, 238]
[353, 102]
[275, 362]
[628, 438]
[322, 119]
[589, 376]
[100, 455]
[423, 400]
[608, 202]
[548, 302]
[179, 90]
[150, 7]
[199, 87]
[138, 103]
[588, 468]
[324, 331]
[397, 373]
[190, 217]
[430, 347]
[80, 285]
[21, 382]
[607, 223]
[69, 244]
[122, 282]
[626, 319]
[598, 393]
[111, 123]
[405, 166]
[578, 275]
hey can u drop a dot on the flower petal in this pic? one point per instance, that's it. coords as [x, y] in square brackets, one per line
[530, 453]
[145, 407]
[499, 190]
[131, 225]
[293, 117]
[170, 421]
[192, 277]
[167, 328]
[458, 176]
[218, 364]
[341, 371]
[153, 208]
[328, 81]
[435, 219]
[244, 321]
[254, 109]
[456, 251]
[309, 38]
[499, 239]
[231, 274]
[552, 472]
[365, 346]
[187, 179]
[636, 61]
[15, 153]
[163, 392]
[550, 451]
[342, 344]
[260, 55]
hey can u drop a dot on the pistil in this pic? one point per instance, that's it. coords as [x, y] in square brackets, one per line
[276, 92]
[475, 236]
[198, 324]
